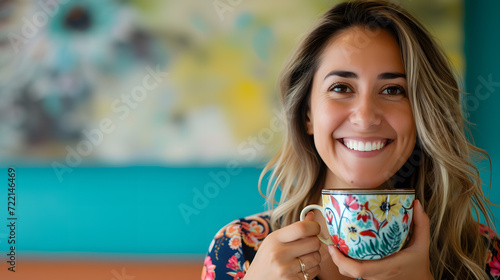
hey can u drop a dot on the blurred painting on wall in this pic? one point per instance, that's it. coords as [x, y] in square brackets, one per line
[156, 82]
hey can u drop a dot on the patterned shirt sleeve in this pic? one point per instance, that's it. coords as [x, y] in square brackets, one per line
[234, 247]
[493, 258]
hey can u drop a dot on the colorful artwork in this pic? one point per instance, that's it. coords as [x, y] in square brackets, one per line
[167, 82]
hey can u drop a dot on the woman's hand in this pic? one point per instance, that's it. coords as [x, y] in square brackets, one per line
[277, 257]
[410, 263]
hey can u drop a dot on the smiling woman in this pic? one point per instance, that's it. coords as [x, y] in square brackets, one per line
[370, 102]
[360, 116]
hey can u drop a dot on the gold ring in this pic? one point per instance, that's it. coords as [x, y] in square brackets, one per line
[303, 268]
[302, 265]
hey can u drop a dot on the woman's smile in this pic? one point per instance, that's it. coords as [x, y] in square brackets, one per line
[364, 145]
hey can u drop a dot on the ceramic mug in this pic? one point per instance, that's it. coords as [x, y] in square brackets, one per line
[366, 224]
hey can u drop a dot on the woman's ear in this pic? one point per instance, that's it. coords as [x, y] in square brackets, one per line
[309, 124]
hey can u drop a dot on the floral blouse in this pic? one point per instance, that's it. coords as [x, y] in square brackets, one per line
[235, 245]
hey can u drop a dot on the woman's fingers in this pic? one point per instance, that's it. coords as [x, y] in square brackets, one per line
[279, 253]
[421, 227]
[311, 264]
[347, 266]
[299, 230]
[311, 273]
[309, 216]
[310, 260]
[303, 246]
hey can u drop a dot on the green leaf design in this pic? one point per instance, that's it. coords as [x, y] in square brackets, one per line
[368, 250]
[391, 241]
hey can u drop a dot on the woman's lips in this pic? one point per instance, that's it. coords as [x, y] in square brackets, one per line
[365, 145]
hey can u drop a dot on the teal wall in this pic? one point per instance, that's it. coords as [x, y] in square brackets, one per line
[127, 210]
[482, 82]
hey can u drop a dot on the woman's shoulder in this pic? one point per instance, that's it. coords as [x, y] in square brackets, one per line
[251, 230]
[259, 217]
[493, 257]
[234, 247]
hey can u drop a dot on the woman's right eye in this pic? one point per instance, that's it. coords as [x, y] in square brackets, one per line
[340, 88]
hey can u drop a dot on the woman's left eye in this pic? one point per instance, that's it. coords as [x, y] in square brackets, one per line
[394, 90]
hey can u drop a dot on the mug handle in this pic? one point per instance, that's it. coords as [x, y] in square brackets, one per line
[306, 210]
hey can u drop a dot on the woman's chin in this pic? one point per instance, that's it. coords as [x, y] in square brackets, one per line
[357, 178]
[365, 183]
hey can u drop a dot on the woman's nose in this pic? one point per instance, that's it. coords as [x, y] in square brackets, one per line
[365, 113]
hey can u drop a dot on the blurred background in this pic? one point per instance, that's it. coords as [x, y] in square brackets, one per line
[137, 129]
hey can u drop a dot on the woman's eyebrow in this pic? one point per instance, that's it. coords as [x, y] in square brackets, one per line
[352, 75]
[343, 74]
[391, 75]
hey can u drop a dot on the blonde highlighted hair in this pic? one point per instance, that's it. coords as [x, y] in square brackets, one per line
[441, 168]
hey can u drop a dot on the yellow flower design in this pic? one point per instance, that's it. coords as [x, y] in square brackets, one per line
[325, 200]
[385, 206]
[351, 231]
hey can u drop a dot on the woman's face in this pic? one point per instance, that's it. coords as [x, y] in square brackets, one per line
[359, 114]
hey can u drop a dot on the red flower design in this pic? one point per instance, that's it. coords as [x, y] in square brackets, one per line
[340, 243]
[486, 231]
[239, 275]
[335, 204]
[233, 263]
[495, 266]
[351, 202]
[238, 271]
[208, 272]
[368, 233]
[364, 213]
[329, 216]
[406, 217]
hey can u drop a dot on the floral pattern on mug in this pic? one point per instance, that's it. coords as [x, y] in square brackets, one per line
[340, 243]
[352, 232]
[384, 207]
[351, 203]
[364, 213]
[364, 226]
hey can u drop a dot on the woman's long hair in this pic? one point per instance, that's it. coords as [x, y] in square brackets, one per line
[445, 178]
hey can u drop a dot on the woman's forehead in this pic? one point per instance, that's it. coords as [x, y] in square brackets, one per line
[357, 49]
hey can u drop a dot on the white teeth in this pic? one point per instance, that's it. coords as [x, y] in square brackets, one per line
[368, 146]
[362, 146]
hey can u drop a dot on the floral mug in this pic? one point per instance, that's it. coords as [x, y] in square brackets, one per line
[366, 224]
